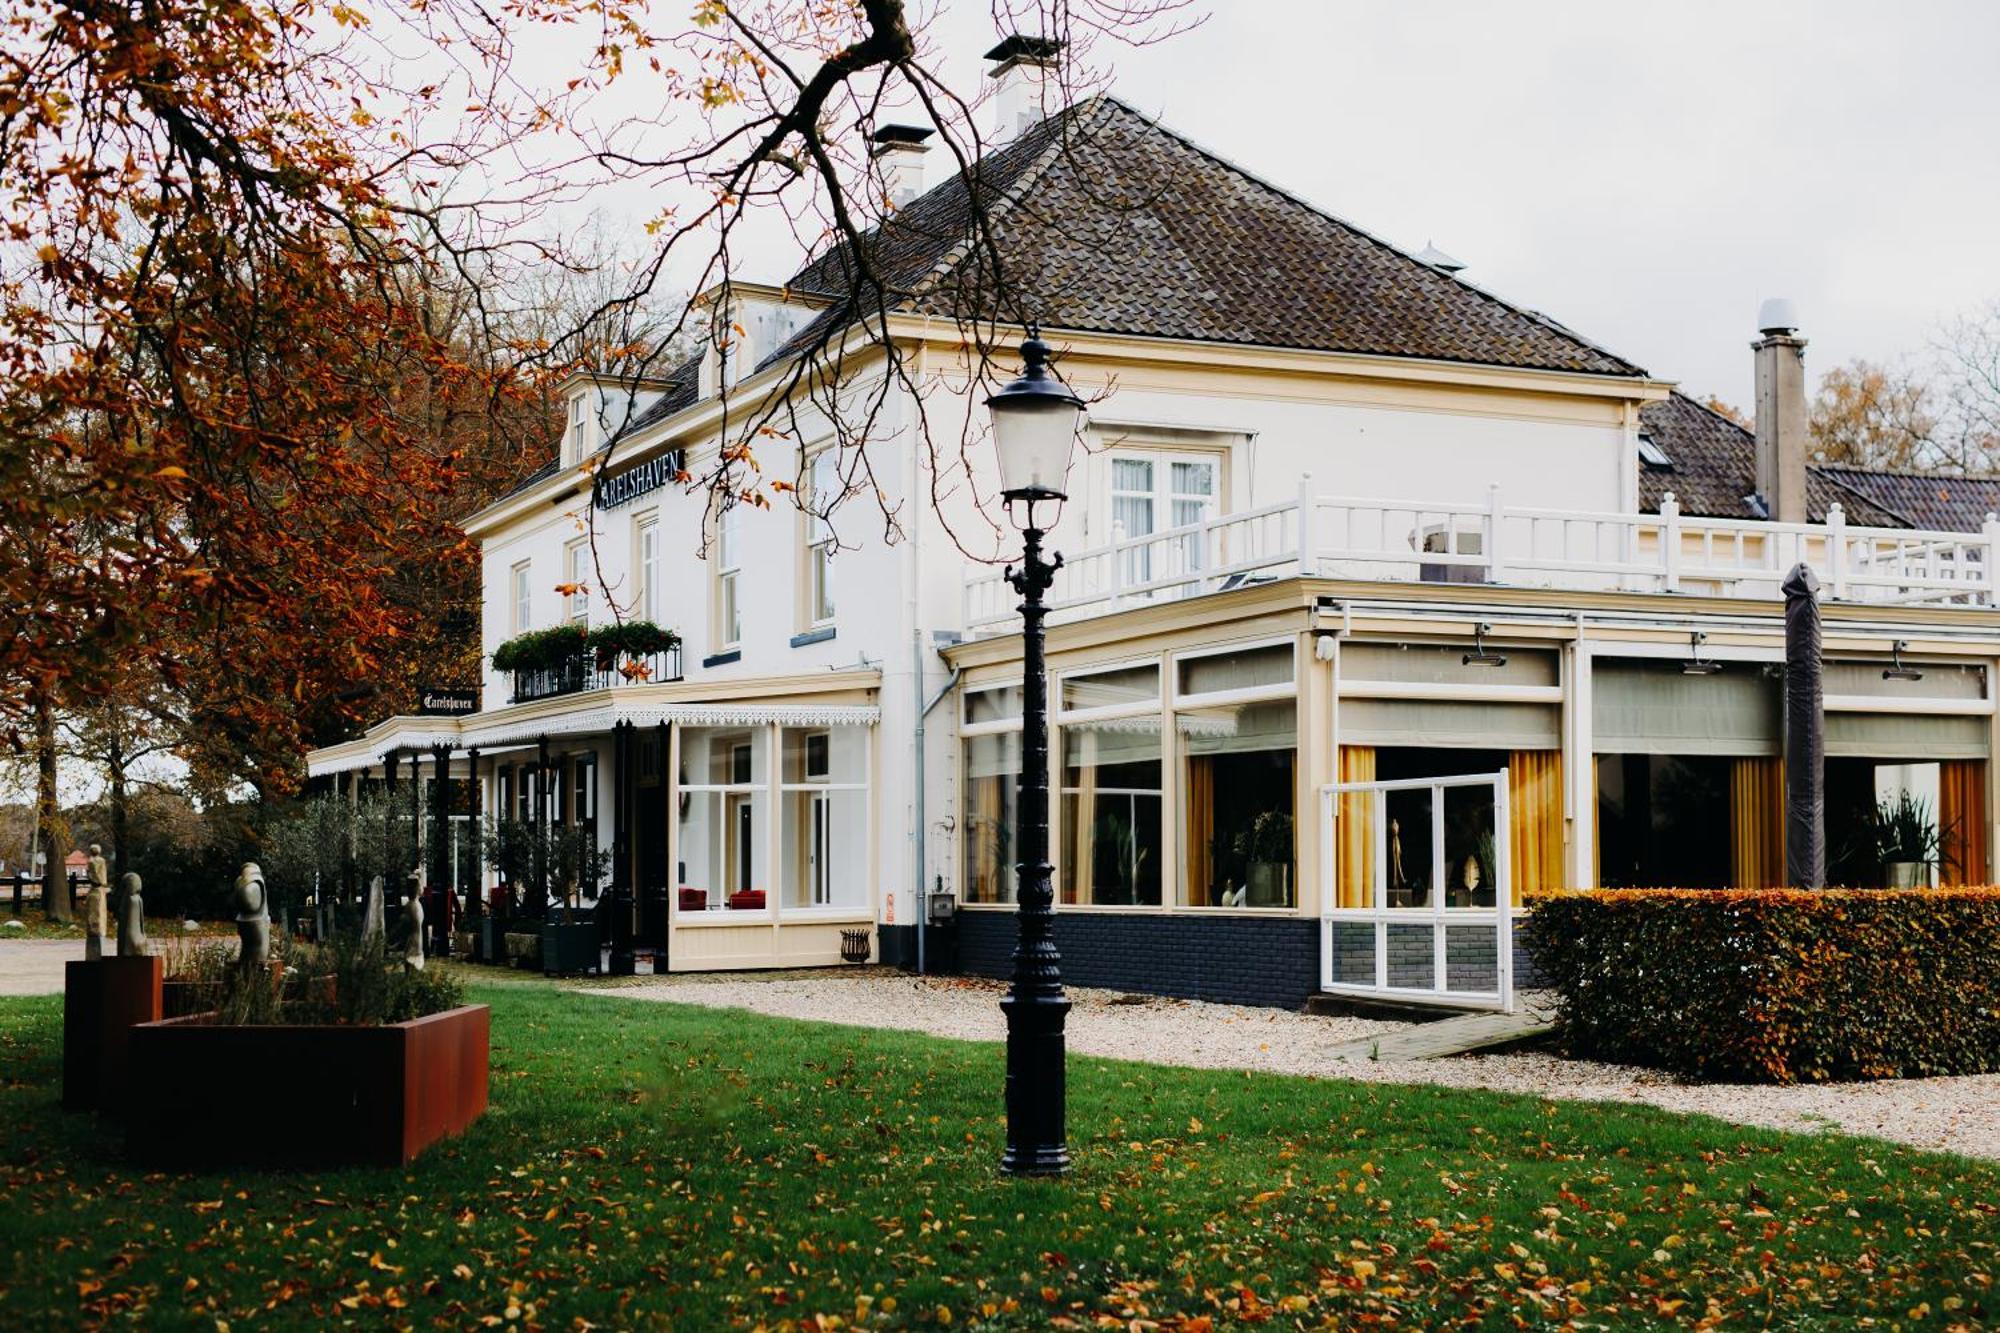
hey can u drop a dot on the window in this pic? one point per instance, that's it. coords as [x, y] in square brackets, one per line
[576, 437]
[649, 568]
[728, 573]
[1653, 456]
[520, 596]
[1237, 724]
[990, 774]
[822, 489]
[723, 809]
[824, 786]
[1111, 828]
[1153, 492]
[576, 573]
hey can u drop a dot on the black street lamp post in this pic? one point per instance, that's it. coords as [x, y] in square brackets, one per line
[1034, 426]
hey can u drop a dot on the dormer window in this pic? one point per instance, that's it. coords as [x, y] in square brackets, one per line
[1653, 456]
[576, 438]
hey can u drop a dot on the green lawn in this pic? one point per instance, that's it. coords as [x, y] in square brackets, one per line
[654, 1165]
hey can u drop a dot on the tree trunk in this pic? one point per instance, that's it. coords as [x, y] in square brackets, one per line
[115, 763]
[55, 836]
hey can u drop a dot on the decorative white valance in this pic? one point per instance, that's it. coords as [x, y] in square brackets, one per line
[472, 734]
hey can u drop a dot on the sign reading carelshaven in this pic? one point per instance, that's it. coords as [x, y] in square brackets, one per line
[633, 482]
[446, 703]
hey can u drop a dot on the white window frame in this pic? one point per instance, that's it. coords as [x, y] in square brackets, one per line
[521, 597]
[1065, 717]
[1162, 495]
[576, 571]
[821, 808]
[1302, 800]
[820, 604]
[578, 425]
[968, 731]
[646, 559]
[728, 580]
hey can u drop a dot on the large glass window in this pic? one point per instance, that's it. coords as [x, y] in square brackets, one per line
[649, 569]
[1153, 492]
[1238, 803]
[1237, 669]
[992, 772]
[576, 575]
[723, 809]
[520, 593]
[1111, 827]
[824, 788]
[1671, 821]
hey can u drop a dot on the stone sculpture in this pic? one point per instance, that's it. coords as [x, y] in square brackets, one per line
[371, 912]
[253, 918]
[413, 940]
[95, 917]
[131, 918]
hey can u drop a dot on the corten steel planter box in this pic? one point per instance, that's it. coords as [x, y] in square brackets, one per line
[102, 1001]
[293, 1095]
[569, 948]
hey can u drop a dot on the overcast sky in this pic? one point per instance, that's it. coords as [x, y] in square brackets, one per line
[1645, 173]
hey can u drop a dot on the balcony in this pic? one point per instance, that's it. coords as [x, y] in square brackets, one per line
[1496, 543]
[581, 672]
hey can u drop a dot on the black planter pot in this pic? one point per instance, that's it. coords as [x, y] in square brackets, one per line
[570, 948]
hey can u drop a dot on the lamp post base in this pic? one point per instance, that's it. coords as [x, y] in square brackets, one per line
[1037, 1144]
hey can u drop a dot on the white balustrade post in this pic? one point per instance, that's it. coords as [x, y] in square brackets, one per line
[1990, 531]
[1117, 564]
[1496, 568]
[1670, 542]
[1308, 527]
[1836, 550]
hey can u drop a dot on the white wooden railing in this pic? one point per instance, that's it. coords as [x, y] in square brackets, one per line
[1326, 536]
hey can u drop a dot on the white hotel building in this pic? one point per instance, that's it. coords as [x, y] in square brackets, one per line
[1386, 602]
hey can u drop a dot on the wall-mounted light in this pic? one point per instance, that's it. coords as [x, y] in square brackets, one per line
[1697, 665]
[1480, 655]
[1898, 671]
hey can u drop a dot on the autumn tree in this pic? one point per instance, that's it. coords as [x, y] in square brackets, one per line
[1869, 415]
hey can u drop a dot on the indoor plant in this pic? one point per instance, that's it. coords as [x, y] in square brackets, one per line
[1266, 849]
[1907, 841]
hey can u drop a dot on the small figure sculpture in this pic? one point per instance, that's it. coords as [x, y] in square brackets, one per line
[253, 918]
[131, 918]
[95, 919]
[371, 912]
[413, 942]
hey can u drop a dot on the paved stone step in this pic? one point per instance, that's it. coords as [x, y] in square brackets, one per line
[1534, 1012]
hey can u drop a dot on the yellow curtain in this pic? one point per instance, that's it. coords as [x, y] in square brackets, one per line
[987, 877]
[1080, 833]
[1535, 821]
[1200, 800]
[1962, 821]
[1757, 823]
[1355, 859]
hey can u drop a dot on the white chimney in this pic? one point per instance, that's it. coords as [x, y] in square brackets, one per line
[1781, 412]
[899, 151]
[1025, 84]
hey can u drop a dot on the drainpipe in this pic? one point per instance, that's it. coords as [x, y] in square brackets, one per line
[923, 830]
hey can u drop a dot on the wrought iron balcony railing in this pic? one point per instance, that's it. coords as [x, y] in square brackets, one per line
[581, 672]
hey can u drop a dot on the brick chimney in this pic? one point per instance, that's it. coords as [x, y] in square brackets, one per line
[899, 151]
[1025, 87]
[1781, 412]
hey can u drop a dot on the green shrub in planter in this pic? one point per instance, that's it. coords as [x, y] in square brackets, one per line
[541, 649]
[1777, 985]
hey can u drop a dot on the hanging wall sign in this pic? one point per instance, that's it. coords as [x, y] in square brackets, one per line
[627, 486]
[446, 703]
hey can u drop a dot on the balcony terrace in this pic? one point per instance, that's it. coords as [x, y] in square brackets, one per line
[1497, 543]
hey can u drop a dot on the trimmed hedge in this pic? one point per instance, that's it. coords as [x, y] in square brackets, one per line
[1777, 985]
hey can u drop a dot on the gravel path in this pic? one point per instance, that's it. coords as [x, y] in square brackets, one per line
[1959, 1115]
[35, 967]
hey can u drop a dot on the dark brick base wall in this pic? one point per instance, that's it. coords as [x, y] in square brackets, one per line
[1228, 959]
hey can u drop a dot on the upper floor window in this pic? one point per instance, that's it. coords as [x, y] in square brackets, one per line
[520, 599]
[649, 568]
[576, 573]
[822, 488]
[577, 435]
[1157, 491]
[728, 579]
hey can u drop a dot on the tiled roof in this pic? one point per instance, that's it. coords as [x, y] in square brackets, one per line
[1925, 499]
[1715, 470]
[1104, 221]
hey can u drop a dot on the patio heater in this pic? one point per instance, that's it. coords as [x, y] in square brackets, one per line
[1035, 421]
[1805, 735]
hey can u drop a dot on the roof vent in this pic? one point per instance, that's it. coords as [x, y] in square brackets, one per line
[1439, 260]
[1777, 315]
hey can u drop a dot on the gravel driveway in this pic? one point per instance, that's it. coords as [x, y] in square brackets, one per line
[1959, 1115]
[35, 967]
